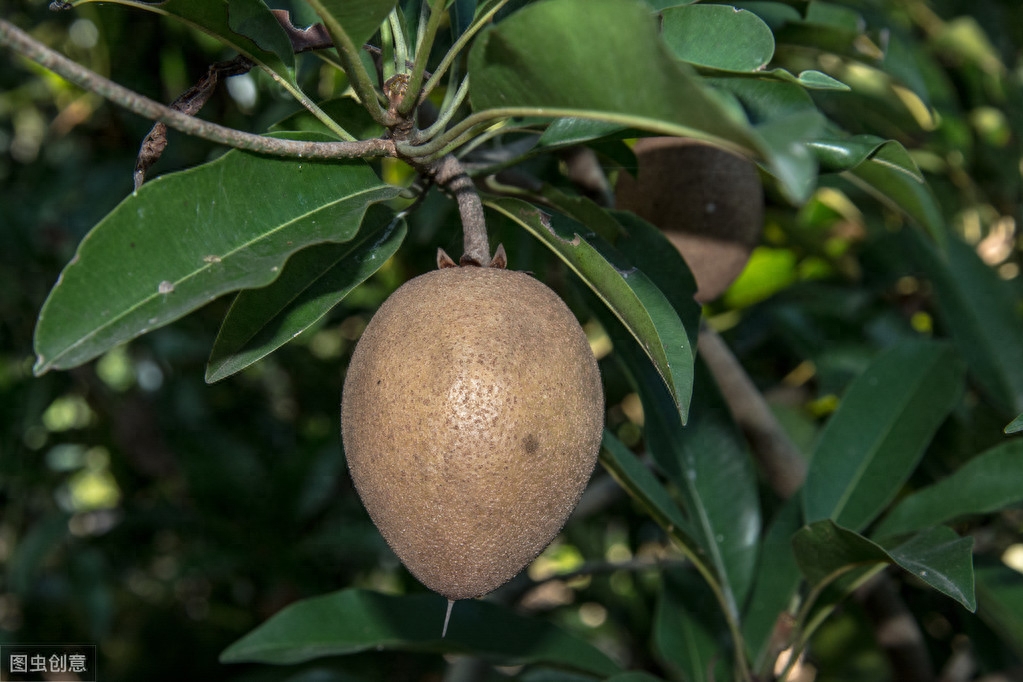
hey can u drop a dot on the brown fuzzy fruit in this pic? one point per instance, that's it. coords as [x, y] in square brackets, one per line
[708, 201]
[472, 417]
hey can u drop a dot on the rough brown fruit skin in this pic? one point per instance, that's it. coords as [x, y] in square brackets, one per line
[708, 201]
[472, 416]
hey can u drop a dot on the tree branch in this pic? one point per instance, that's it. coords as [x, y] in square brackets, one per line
[448, 173]
[780, 460]
[27, 46]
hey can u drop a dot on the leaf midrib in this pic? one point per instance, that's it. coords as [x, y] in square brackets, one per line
[872, 452]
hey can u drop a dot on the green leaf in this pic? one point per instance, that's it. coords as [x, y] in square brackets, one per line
[824, 550]
[885, 420]
[814, 80]
[809, 80]
[184, 239]
[892, 177]
[688, 630]
[243, 25]
[709, 466]
[625, 290]
[1000, 595]
[253, 19]
[313, 281]
[1016, 425]
[718, 481]
[794, 164]
[980, 311]
[777, 579]
[767, 100]
[990, 481]
[786, 119]
[610, 65]
[843, 153]
[646, 244]
[640, 242]
[705, 35]
[350, 621]
[568, 131]
[937, 556]
[642, 485]
[360, 19]
[941, 559]
[885, 170]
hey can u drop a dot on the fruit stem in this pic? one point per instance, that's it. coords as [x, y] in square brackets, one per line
[448, 173]
[447, 617]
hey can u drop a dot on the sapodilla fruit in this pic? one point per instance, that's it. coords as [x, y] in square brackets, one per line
[708, 201]
[472, 415]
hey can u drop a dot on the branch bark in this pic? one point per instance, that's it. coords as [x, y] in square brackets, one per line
[780, 460]
[22, 43]
[448, 173]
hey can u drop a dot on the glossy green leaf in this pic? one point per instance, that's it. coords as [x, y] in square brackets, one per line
[688, 630]
[843, 153]
[639, 242]
[786, 120]
[981, 313]
[184, 239]
[350, 621]
[360, 19]
[625, 290]
[777, 579]
[941, 559]
[794, 166]
[709, 466]
[824, 550]
[937, 556]
[243, 25]
[809, 80]
[885, 420]
[312, 282]
[253, 19]
[1016, 425]
[645, 243]
[893, 178]
[814, 80]
[642, 485]
[767, 100]
[719, 482]
[1000, 597]
[885, 170]
[990, 481]
[569, 131]
[705, 35]
[610, 65]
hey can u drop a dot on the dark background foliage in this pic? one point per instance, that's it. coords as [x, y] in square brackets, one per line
[163, 518]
